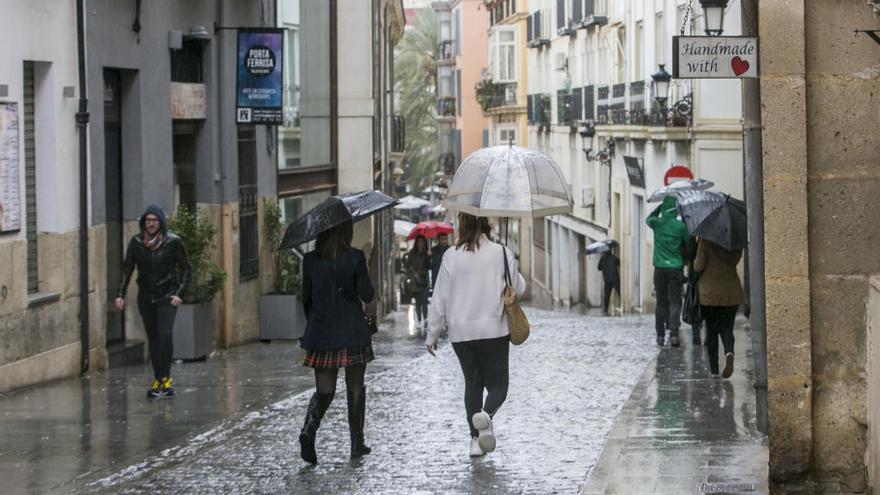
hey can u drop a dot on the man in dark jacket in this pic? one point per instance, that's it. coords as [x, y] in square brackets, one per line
[609, 265]
[437, 256]
[669, 235]
[163, 272]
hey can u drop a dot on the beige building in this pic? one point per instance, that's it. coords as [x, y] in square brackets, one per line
[820, 94]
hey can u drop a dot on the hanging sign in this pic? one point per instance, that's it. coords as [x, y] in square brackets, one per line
[260, 71]
[714, 57]
[634, 171]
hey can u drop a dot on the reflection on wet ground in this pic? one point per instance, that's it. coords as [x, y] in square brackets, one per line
[683, 432]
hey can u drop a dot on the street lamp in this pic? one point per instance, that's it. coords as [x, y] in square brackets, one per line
[587, 133]
[713, 11]
[661, 85]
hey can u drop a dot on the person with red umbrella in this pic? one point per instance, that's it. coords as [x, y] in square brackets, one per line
[418, 263]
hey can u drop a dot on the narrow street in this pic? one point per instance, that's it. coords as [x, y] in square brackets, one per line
[568, 383]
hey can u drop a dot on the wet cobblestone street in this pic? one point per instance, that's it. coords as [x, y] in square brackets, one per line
[568, 383]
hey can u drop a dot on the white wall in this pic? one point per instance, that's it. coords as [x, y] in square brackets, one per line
[45, 31]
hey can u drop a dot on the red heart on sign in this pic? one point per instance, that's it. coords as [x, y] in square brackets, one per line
[739, 66]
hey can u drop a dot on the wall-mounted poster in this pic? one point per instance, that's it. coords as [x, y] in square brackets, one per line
[10, 193]
[259, 80]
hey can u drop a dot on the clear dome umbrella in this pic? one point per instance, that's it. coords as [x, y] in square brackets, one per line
[509, 181]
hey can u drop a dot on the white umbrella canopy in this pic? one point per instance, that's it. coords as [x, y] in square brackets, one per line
[402, 228]
[693, 184]
[509, 181]
[411, 203]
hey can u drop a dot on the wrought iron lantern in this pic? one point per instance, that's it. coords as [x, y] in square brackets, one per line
[661, 85]
[713, 16]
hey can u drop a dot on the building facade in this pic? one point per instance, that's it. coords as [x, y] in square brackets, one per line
[590, 63]
[161, 83]
[39, 191]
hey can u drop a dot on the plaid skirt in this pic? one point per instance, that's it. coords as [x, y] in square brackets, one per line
[339, 358]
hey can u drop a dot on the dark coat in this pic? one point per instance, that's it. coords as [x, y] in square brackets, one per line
[162, 273]
[332, 291]
[719, 281]
[417, 267]
[609, 265]
[436, 260]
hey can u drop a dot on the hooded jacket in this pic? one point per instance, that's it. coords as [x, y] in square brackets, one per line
[669, 234]
[162, 273]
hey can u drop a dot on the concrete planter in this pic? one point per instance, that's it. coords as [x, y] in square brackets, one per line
[193, 331]
[281, 317]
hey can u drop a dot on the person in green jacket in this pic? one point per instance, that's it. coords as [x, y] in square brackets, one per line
[669, 235]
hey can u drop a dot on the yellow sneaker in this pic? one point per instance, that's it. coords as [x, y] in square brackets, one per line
[166, 387]
[155, 390]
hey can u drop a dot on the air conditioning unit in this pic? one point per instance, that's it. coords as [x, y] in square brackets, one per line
[588, 197]
[561, 61]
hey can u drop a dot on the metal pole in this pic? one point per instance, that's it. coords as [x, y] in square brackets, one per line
[82, 125]
[754, 182]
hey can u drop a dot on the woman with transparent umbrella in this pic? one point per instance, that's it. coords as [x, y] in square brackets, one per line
[502, 181]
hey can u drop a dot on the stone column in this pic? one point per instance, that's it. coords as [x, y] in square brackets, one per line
[789, 347]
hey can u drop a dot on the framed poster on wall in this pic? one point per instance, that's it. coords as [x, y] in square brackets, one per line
[10, 187]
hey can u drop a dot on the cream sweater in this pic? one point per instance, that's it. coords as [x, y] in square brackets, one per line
[467, 296]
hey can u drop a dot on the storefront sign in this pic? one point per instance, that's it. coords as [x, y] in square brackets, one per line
[634, 171]
[10, 193]
[260, 71]
[714, 57]
[187, 101]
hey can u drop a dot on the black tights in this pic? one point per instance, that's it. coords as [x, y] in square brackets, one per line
[485, 366]
[325, 379]
[473, 399]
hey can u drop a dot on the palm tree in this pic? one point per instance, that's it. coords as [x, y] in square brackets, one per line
[416, 82]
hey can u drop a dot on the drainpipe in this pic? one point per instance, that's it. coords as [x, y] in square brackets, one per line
[754, 182]
[82, 125]
[225, 207]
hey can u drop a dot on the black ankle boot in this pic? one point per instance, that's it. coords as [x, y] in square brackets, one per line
[314, 414]
[356, 410]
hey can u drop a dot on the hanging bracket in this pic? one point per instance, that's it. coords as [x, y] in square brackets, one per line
[873, 33]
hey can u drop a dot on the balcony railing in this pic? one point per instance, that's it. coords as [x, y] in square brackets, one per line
[444, 51]
[595, 14]
[495, 95]
[398, 134]
[539, 110]
[446, 106]
[500, 10]
[624, 104]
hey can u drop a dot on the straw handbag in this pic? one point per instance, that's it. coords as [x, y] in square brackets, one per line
[517, 323]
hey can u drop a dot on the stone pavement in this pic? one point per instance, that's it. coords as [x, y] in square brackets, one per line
[567, 385]
[682, 432]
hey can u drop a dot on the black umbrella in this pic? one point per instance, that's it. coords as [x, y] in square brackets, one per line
[713, 216]
[334, 211]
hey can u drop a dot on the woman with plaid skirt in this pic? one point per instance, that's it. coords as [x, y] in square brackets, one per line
[335, 284]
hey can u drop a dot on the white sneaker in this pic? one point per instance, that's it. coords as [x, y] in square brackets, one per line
[476, 451]
[483, 423]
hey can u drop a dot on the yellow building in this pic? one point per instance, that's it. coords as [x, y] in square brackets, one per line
[502, 93]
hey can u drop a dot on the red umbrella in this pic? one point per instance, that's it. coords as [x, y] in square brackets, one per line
[430, 229]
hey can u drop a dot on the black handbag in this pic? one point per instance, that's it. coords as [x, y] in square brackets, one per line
[690, 311]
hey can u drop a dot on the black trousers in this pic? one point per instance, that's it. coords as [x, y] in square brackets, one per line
[667, 285]
[485, 365]
[719, 322]
[610, 286]
[421, 304]
[159, 323]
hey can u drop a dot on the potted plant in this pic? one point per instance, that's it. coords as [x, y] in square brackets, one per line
[281, 312]
[194, 325]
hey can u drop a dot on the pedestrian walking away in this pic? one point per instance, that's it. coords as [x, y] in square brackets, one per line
[467, 302]
[721, 294]
[335, 286]
[163, 273]
[609, 265]
[692, 278]
[669, 235]
[418, 264]
[437, 253]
